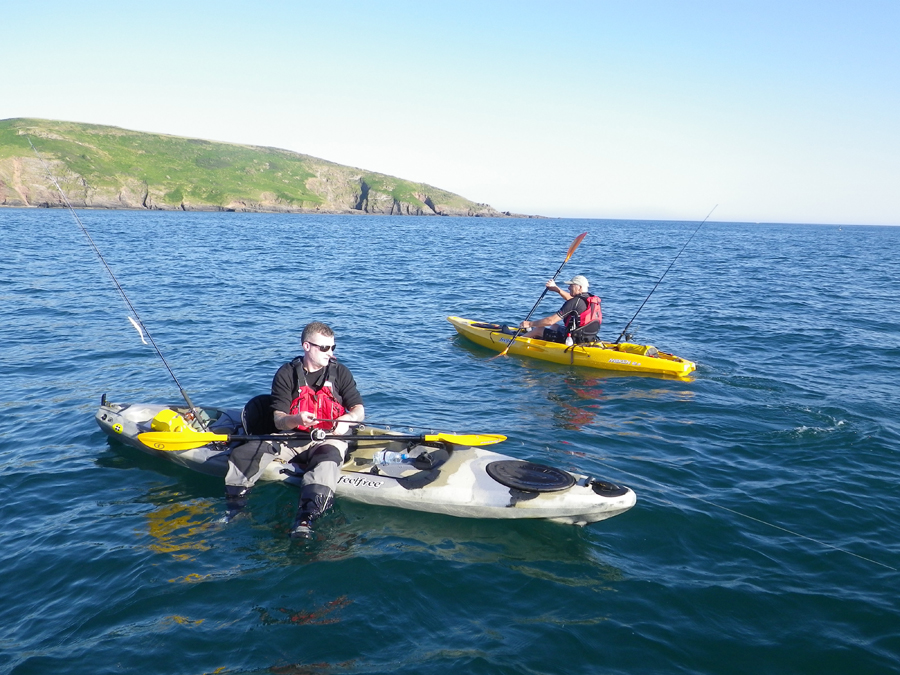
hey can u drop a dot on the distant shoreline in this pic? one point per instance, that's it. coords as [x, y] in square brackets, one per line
[308, 212]
[102, 167]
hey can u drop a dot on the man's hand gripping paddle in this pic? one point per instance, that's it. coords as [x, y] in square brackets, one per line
[568, 255]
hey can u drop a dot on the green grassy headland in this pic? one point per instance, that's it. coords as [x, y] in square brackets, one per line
[109, 167]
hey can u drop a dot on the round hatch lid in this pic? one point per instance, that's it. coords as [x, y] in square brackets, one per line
[519, 475]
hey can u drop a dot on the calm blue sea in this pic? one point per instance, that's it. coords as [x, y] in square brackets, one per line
[764, 540]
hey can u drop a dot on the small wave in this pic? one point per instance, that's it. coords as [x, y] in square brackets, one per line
[804, 430]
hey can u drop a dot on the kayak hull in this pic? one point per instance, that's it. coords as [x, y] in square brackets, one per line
[462, 482]
[623, 357]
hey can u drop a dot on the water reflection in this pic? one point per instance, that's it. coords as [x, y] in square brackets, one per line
[177, 528]
[577, 401]
[320, 615]
[530, 547]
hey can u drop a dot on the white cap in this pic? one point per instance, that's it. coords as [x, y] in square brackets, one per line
[579, 279]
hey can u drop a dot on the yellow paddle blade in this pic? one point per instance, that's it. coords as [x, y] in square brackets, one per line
[508, 345]
[574, 245]
[503, 353]
[466, 439]
[173, 441]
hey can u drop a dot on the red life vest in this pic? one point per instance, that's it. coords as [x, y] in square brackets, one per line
[324, 403]
[591, 314]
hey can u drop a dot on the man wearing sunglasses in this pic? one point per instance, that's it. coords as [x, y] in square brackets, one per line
[313, 391]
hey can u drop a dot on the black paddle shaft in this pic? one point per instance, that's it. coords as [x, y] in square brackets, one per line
[572, 248]
[320, 435]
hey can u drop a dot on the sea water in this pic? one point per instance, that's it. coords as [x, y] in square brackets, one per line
[764, 539]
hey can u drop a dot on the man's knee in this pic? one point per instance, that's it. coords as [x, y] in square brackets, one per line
[552, 334]
[324, 453]
[247, 460]
[251, 450]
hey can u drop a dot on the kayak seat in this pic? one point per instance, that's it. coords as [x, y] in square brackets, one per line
[257, 415]
[586, 333]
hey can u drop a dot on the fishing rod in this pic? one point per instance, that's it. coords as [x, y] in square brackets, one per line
[138, 323]
[663, 275]
[367, 423]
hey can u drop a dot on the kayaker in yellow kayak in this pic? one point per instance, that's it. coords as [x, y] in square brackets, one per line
[577, 321]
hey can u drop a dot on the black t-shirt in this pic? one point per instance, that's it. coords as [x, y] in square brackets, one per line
[572, 306]
[286, 384]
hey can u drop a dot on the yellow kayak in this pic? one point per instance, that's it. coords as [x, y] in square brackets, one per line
[624, 356]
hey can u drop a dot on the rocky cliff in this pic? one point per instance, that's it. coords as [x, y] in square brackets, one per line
[112, 168]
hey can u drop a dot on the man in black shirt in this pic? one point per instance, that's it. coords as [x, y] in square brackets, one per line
[313, 391]
[578, 318]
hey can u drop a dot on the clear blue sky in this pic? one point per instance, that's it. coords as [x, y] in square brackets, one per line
[777, 111]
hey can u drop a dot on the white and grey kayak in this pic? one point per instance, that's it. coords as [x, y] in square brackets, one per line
[437, 477]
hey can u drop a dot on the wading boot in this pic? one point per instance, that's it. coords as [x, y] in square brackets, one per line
[302, 527]
[235, 501]
[314, 502]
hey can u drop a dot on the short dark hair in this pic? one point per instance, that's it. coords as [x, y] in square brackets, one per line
[316, 328]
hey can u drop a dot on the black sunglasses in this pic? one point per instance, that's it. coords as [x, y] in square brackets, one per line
[326, 348]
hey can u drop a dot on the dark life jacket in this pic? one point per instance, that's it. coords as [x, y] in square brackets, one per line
[325, 404]
[587, 324]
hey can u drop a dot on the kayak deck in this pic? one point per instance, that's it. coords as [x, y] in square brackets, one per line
[623, 356]
[436, 477]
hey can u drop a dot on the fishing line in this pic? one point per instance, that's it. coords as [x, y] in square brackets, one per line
[139, 324]
[744, 515]
[663, 275]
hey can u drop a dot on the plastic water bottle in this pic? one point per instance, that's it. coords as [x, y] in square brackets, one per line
[388, 457]
[569, 341]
